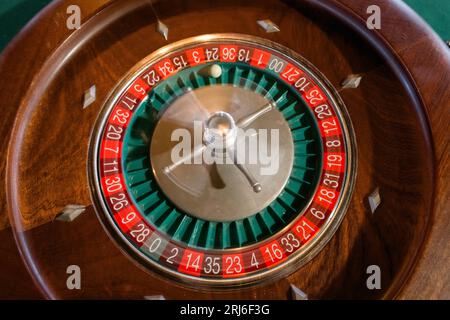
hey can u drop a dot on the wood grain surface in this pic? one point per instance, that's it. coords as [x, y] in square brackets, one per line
[399, 113]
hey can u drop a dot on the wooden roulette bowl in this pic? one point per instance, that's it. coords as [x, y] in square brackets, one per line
[393, 130]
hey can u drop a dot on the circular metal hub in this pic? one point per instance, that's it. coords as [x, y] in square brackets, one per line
[219, 191]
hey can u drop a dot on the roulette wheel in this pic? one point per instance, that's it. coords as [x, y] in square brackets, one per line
[225, 150]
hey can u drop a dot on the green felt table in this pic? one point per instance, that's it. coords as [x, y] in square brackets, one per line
[14, 15]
